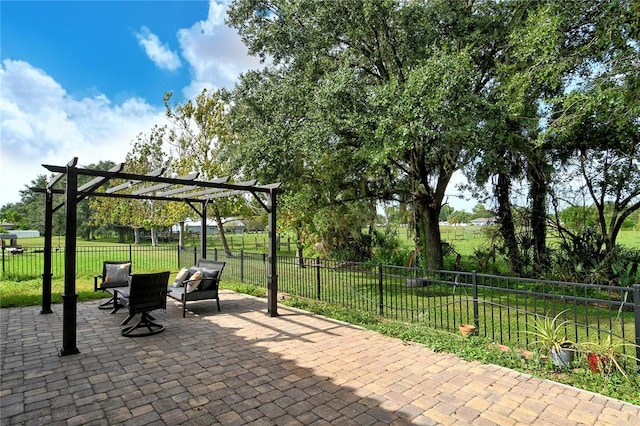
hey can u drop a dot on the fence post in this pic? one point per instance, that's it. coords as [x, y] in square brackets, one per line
[380, 290]
[242, 266]
[636, 311]
[476, 311]
[178, 248]
[318, 277]
[3, 259]
[195, 255]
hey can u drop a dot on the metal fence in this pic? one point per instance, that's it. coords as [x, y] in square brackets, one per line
[502, 308]
[89, 259]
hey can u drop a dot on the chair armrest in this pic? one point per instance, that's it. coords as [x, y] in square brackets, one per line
[95, 282]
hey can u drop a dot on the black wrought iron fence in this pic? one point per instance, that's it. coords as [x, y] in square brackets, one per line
[502, 308]
[89, 259]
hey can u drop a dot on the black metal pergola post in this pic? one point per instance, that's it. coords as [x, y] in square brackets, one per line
[47, 276]
[70, 297]
[184, 189]
[203, 230]
[272, 291]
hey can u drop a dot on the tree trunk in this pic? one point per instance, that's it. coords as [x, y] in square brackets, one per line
[428, 240]
[136, 235]
[505, 219]
[154, 237]
[181, 244]
[121, 231]
[538, 189]
[299, 249]
[223, 237]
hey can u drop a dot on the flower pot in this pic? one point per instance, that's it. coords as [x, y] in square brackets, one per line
[416, 282]
[596, 362]
[562, 357]
[467, 329]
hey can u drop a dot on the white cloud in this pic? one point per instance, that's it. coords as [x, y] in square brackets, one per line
[42, 124]
[214, 51]
[159, 53]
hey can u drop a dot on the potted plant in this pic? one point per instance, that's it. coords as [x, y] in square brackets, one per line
[605, 355]
[467, 329]
[549, 334]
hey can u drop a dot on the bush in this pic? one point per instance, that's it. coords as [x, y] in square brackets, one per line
[387, 249]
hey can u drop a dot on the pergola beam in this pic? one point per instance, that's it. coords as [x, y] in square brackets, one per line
[131, 183]
[98, 181]
[156, 179]
[190, 176]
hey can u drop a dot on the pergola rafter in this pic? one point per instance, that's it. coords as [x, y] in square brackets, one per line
[162, 188]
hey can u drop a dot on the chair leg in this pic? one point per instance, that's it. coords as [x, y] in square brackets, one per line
[218, 303]
[145, 321]
[127, 319]
[107, 305]
[116, 305]
[112, 303]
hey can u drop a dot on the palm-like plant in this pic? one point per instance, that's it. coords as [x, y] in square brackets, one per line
[549, 332]
[609, 352]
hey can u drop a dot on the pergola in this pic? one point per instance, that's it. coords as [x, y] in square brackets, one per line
[151, 186]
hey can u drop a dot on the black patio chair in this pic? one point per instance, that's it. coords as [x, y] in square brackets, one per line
[147, 293]
[115, 274]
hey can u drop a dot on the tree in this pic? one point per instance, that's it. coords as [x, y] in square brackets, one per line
[146, 155]
[86, 225]
[392, 89]
[276, 141]
[607, 146]
[200, 138]
[459, 217]
[594, 125]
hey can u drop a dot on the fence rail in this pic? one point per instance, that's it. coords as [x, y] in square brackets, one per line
[502, 308]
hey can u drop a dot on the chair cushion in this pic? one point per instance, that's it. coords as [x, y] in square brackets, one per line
[182, 275]
[117, 272]
[209, 277]
[194, 281]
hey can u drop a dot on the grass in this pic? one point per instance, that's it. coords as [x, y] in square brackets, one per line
[28, 292]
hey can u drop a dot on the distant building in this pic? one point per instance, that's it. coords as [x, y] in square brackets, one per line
[26, 233]
[232, 225]
[484, 221]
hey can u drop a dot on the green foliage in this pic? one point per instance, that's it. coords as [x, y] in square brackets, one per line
[610, 354]
[387, 248]
[244, 288]
[548, 332]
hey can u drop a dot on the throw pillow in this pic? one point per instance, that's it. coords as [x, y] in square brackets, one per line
[117, 272]
[209, 276]
[182, 275]
[194, 281]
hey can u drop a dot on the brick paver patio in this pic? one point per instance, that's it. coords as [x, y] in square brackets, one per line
[241, 367]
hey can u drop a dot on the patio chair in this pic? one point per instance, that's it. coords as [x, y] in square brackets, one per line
[147, 293]
[204, 286]
[115, 274]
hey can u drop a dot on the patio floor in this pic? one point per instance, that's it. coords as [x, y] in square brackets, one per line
[241, 367]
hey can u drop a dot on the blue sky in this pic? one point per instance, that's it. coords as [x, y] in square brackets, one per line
[84, 78]
[93, 48]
